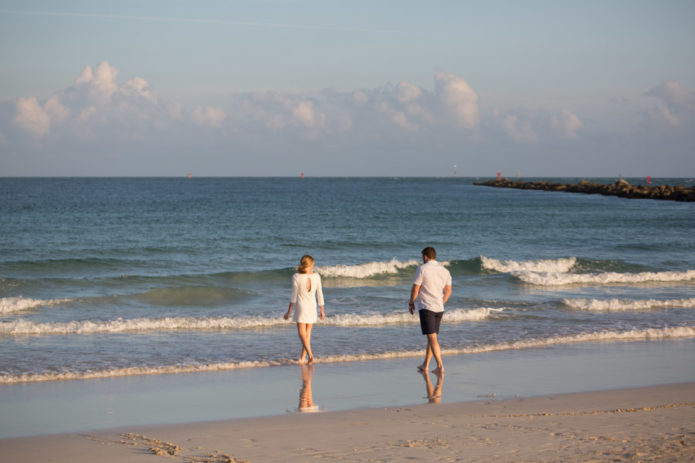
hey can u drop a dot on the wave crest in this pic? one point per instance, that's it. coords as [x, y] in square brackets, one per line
[20, 304]
[618, 305]
[367, 270]
[28, 328]
[548, 265]
[561, 279]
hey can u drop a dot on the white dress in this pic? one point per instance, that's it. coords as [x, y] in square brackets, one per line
[305, 299]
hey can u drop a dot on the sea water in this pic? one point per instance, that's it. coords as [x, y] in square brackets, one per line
[112, 277]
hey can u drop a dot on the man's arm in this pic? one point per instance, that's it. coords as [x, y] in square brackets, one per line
[413, 295]
[447, 293]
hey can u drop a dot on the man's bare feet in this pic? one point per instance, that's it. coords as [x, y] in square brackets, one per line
[311, 361]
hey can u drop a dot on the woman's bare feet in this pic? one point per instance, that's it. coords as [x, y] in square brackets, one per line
[438, 371]
[422, 368]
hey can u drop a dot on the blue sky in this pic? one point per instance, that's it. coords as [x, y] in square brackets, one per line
[166, 87]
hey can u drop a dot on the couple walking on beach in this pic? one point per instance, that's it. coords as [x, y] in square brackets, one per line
[430, 291]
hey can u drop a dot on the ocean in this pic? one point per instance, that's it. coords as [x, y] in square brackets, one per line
[115, 277]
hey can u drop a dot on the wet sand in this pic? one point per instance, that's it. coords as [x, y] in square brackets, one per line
[643, 424]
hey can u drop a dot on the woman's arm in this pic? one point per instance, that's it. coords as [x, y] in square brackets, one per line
[289, 311]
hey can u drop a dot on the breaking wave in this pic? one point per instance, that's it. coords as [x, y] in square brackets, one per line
[560, 279]
[509, 266]
[621, 305]
[655, 334]
[20, 304]
[28, 328]
[367, 270]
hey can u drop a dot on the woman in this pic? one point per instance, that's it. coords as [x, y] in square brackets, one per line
[306, 287]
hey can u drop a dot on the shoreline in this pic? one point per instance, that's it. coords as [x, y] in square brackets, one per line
[621, 188]
[645, 424]
[61, 407]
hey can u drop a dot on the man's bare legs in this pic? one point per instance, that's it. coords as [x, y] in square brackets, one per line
[428, 355]
[304, 331]
[432, 350]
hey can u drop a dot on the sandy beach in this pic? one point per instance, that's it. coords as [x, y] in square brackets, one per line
[642, 424]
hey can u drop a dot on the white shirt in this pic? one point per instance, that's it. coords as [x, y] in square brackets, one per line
[432, 277]
[305, 298]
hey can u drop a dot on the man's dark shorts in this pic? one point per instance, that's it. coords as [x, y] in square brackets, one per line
[429, 321]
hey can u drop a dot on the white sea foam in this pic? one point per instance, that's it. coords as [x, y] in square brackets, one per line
[451, 316]
[560, 279]
[547, 265]
[19, 304]
[367, 270]
[655, 334]
[138, 371]
[623, 305]
[28, 328]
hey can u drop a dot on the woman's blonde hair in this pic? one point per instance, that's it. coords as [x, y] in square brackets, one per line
[304, 263]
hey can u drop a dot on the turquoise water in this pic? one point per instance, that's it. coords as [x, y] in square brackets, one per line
[103, 277]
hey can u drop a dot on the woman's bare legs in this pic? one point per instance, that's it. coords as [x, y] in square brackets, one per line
[304, 331]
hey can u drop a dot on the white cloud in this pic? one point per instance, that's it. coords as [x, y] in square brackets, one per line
[567, 123]
[86, 113]
[662, 116]
[407, 92]
[674, 95]
[360, 97]
[304, 113]
[519, 130]
[676, 105]
[31, 117]
[209, 116]
[459, 98]
[398, 118]
[99, 113]
[276, 122]
[138, 87]
[100, 82]
[55, 109]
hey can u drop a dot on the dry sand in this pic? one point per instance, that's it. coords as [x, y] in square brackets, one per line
[629, 425]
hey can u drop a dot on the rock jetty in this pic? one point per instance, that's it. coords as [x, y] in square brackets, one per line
[620, 188]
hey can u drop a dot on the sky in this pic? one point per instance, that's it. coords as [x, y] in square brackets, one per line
[347, 88]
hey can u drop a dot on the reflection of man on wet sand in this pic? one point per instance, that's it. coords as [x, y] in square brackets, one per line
[434, 394]
[306, 401]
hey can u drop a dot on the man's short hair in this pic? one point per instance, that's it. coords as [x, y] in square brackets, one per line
[429, 252]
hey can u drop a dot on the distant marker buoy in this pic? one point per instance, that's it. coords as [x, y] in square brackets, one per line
[649, 179]
[302, 175]
[499, 175]
[190, 175]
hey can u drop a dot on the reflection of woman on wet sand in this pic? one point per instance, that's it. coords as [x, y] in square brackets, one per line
[306, 288]
[433, 394]
[306, 401]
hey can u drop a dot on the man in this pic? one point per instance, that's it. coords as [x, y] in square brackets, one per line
[431, 290]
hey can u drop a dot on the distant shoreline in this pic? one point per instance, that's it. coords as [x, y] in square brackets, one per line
[621, 188]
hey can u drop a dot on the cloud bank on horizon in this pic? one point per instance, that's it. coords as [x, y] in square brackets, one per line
[104, 118]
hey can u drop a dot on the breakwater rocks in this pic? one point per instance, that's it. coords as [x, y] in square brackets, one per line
[620, 188]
